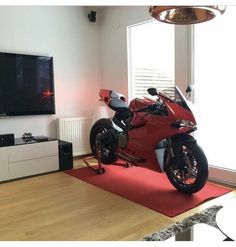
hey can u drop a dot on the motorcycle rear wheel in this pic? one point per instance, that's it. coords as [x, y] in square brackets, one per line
[107, 154]
[189, 173]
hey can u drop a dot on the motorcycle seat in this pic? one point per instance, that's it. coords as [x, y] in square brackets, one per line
[118, 105]
[117, 102]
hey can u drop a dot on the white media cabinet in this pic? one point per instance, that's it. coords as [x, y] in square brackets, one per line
[28, 158]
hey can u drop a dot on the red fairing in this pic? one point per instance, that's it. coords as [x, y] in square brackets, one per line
[143, 139]
[177, 112]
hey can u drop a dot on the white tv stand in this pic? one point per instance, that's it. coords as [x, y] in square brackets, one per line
[28, 158]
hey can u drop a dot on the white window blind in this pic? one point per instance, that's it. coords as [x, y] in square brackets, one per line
[151, 58]
[145, 78]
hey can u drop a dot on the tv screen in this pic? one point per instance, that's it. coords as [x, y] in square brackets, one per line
[26, 85]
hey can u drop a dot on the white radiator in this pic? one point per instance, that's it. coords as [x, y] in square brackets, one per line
[76, 131]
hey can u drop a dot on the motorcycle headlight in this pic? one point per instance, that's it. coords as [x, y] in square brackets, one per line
[183, 124]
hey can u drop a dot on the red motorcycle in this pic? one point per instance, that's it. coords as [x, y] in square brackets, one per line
[154, 134]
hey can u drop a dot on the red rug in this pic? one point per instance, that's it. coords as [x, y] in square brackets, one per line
[148, 188]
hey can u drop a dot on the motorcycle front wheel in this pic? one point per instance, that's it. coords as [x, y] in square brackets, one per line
[188, 169]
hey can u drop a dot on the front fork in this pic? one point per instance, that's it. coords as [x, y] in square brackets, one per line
[168, 149]
[164, 152]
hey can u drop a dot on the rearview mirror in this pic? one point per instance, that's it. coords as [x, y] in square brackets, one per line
[189, 89]
[152, 91]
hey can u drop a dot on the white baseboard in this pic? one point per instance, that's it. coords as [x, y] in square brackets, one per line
[222, 175]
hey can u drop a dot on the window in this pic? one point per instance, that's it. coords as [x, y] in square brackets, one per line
[151, 57]
[215, 88]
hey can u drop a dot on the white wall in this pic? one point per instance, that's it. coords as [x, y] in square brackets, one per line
[114, 47]
[114, 44]
[66, 34]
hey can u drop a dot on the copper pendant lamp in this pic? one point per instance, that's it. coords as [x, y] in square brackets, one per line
[185, 14]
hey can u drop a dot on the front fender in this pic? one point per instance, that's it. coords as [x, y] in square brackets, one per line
[181, 139]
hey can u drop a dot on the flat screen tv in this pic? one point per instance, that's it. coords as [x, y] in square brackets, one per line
[26, 85]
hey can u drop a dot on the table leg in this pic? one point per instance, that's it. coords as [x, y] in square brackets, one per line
[185, 236]
[228, 239]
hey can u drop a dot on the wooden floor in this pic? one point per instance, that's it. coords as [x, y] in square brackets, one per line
[59, 207]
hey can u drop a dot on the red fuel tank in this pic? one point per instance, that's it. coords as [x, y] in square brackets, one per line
[138, 103]
[138, 117]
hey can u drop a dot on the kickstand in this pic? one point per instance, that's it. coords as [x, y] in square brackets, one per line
[98, 169]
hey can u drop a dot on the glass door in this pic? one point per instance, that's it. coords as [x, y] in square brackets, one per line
[215, 91]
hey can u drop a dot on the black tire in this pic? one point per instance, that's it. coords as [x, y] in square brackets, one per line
[194, 163]
[108, 153]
